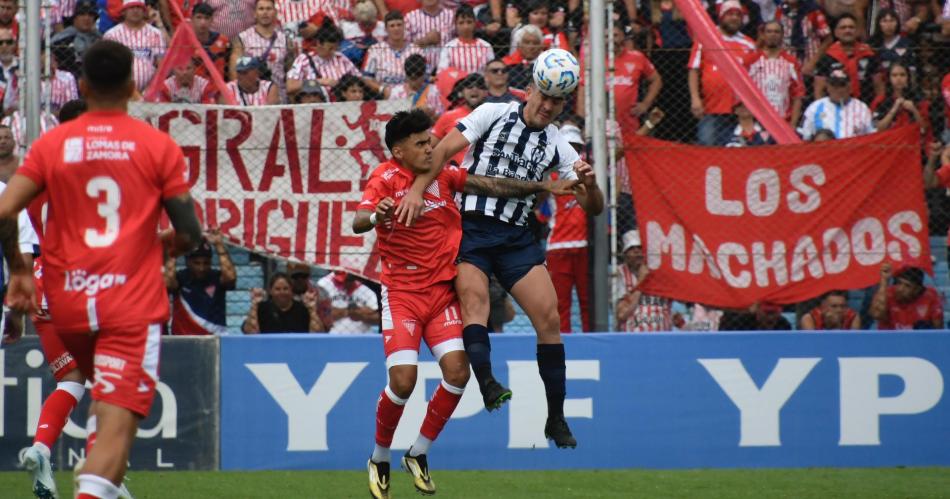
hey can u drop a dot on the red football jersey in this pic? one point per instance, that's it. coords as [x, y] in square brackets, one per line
[417, 257]
[927, 307]
[105, 175]
[718, 96]
[446, 123]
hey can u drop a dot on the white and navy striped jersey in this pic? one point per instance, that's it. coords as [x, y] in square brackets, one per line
[503, 145]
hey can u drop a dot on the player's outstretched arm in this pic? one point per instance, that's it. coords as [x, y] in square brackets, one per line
[411, 206]
[187, 234]
[514, 188]
[366, 220]
[588, 195]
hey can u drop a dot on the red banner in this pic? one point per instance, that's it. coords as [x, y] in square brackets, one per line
[729, 227]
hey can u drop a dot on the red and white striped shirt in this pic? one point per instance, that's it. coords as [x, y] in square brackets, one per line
[352, 30]
[469, 57]
[200, 92]
[60, 89]
[231, 16]
[779, 78]
[815, 28]
[243, 98]
[294, 11]
[427, 98]
[67, 8]
[148, 46]
[651, 313]
[333, 68]
[17, 124]
[420, 23]
[256, 45]
[386, 64]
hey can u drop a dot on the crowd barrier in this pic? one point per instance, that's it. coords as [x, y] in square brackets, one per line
[679, 400]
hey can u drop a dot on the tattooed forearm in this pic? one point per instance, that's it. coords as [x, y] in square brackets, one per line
[501, 187]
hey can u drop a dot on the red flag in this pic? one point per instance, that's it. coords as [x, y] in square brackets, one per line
[706, 33]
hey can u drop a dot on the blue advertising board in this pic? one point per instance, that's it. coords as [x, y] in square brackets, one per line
[651, 400]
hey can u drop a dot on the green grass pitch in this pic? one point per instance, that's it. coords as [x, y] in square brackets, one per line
[820, 483]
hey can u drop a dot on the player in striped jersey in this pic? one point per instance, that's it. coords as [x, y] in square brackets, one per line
[777, 74]
[430, 27]
[249, 89]
[516, 141]
[385, 61]
[146, 41]
[465, 52]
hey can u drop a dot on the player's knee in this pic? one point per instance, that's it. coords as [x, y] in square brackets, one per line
[457, 375]
[401, 382]
[549, 321]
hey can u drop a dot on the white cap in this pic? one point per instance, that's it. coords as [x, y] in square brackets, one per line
[630, 239]
[572, 134]
[729, 5]
[132, 3]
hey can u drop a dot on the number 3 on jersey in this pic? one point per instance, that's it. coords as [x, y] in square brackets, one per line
[108, 208]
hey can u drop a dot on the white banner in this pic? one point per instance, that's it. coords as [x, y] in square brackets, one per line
[283, 180]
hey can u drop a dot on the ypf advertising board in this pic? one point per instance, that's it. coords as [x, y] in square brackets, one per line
[650, 400]
[181, 433]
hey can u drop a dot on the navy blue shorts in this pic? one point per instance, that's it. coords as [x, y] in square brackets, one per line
[499, 248]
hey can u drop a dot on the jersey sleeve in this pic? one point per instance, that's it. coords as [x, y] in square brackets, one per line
[27, 239]
[566, 157]
[695, 57]
[32, 167]
[376, 190]
[480, 120]
[173, 179]
[457, 177]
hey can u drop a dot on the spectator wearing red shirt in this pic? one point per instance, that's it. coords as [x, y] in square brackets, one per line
[945, 91]
[215, 44]
[567, 255]
[631, 67]
[899, 105]
[855, 58]
[711, 96]
[907, 304]
[472, 91]
[833, 313]
[806, 31]
[777, 74]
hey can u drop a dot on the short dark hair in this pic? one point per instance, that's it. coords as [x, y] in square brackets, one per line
[71, 110]
[835, 292]
[203, 9]
[276, 277]
[415, 66]
[107, 66]
[406, 123]
[533, 5]
[846, 15]
[464, 10]
[393, 15]
[347, 81]
[328, 32]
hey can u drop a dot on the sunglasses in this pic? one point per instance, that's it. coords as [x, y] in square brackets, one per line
[6, 42]
[498, 71]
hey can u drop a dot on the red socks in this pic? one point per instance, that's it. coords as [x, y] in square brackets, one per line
[55, 412]
[388, 411]
[441, 406]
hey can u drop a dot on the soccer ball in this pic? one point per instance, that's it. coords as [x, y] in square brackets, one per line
[556, 72]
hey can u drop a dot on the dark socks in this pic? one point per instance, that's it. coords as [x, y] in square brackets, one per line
[478, 348]
[553, 372]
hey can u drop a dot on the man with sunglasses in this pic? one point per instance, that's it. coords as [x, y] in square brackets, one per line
[496, 79]
[839, 112]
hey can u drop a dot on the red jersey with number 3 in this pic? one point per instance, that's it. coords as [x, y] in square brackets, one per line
[417, 257]
[105, 175]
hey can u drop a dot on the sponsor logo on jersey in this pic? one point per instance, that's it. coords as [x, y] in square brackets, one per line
[79, 281]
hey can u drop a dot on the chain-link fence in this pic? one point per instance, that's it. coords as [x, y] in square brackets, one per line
[283, 182]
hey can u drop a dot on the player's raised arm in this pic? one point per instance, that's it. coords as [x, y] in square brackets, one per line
[411, 206]
[514, 188]
[588, 194]
[366, 220]
[187, 233]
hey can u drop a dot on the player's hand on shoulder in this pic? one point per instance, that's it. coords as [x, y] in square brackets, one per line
[585, 173]
[409, 209]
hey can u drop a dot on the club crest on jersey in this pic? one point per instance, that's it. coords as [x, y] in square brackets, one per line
[434, 189]
[537, 156]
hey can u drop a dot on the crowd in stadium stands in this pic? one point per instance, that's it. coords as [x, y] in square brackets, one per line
[832, 68]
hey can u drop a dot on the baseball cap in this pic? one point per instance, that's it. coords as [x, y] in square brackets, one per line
[86, 7]
[729, 5]
[838, 76]
[203, 249]
[246, 63]
[203, 9]
[572, 133]
[311, 87]
[126, 4]
[630, 239]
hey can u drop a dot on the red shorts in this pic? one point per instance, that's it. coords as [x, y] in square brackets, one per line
[59, 359]
[409, 317]
[122, 363]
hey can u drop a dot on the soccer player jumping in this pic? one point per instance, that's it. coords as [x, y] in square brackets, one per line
[516, 141]
[418, 297]
[107, 177]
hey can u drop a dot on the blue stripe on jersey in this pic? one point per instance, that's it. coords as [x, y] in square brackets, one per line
[512, 172]
[460, 127]
[477, 156]
[496, 155]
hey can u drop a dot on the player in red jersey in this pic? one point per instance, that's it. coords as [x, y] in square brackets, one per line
[107, 177]
[418, 295]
